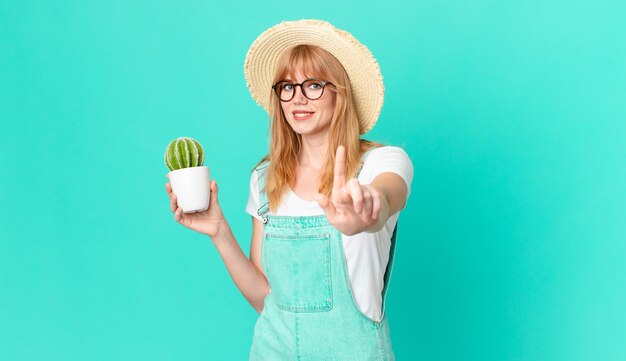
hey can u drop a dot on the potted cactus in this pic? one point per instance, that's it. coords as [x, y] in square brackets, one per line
[190, 180]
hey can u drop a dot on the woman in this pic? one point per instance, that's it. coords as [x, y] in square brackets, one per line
[324, 203]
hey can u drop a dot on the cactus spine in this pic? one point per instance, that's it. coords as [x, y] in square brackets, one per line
[184, 152]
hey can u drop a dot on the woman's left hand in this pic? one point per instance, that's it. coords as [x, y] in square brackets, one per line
[352, 208]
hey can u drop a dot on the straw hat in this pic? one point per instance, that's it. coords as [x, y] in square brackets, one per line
[363, 70]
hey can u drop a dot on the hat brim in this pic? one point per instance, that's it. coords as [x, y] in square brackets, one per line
[362, 68]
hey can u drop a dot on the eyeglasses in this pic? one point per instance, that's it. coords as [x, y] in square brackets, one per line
[311, 88]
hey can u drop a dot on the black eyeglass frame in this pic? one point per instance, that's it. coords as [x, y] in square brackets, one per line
[276, 89]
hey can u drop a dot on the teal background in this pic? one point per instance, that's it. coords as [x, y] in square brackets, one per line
[512, 245]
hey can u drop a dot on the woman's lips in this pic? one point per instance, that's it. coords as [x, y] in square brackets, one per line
[302, 115]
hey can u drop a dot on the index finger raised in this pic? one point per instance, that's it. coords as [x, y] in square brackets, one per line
[339, 176]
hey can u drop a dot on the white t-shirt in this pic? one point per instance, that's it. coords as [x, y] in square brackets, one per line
[367, 254]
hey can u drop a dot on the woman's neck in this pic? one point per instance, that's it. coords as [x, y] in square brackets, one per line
[313, 151]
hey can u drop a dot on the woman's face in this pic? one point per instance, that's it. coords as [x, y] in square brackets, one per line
[306, 116]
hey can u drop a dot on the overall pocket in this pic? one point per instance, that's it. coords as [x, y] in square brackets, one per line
[298, 271]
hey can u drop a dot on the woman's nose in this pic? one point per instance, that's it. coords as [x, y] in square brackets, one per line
[298, 96]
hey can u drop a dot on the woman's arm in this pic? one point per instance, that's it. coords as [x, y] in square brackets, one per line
[247, 273]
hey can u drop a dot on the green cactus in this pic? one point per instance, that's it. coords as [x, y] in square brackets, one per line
[184, 152]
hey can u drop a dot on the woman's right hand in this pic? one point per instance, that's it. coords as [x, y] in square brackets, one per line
[210, 222]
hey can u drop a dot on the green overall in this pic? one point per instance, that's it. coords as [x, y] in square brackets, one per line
[310, 313]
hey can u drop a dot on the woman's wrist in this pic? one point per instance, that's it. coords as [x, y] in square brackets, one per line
[223, 233]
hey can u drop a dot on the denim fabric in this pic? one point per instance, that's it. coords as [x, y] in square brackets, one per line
[310, 313]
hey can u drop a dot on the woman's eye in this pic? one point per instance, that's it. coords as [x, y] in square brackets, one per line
[315, 85]
[288, 87]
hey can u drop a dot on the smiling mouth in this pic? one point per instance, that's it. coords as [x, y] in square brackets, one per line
[302, 115]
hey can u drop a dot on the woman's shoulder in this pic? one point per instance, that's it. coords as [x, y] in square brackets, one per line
[386, 153]
[258, 170]
[262, 164]
[387, 158]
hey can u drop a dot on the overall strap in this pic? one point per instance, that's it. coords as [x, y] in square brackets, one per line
[264, 204]
[359, 171]
[392, 252]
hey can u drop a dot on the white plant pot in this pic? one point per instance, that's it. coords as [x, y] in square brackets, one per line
[192, 188]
